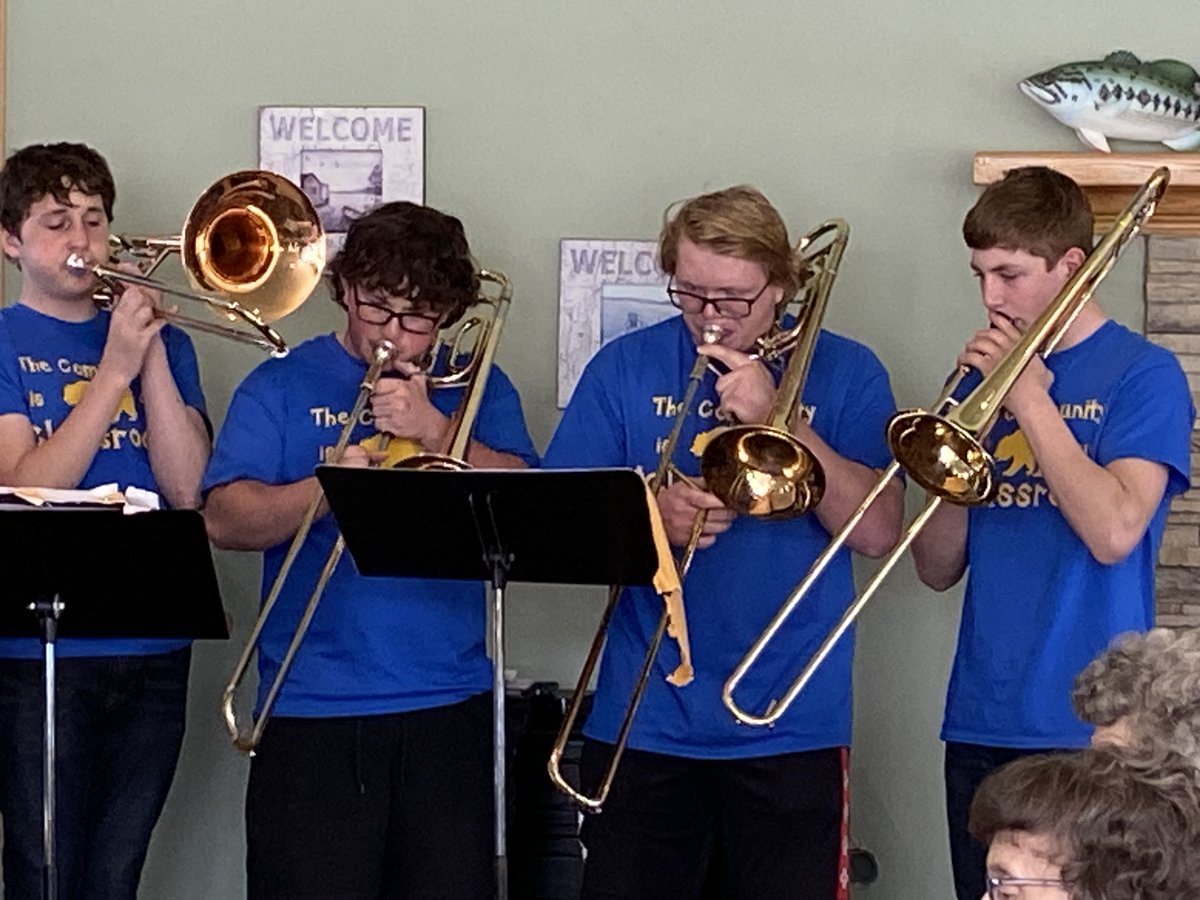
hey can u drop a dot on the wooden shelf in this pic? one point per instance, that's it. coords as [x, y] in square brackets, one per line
[1110, 179]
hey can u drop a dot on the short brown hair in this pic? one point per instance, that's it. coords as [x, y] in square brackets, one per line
[55, 169]
[1035, 209]
[1152, 681]
[412, 251]
[1127, 826]
[737, 221]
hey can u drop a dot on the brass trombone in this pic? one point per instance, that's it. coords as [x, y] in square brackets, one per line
[758, 470]
[485, 333]
[764, 470]
[247, 741]
[943, 449]
[253, 238]
[471, 374]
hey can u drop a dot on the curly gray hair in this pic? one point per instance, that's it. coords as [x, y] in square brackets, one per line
[1152, 682]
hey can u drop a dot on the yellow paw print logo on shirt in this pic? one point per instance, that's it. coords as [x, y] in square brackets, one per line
[73, 394]
[397, 449]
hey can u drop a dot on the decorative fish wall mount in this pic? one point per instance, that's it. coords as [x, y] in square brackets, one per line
[1122, 97]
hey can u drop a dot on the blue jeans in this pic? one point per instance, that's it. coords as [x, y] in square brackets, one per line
[119, 723]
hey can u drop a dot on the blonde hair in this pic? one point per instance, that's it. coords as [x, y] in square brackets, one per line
[739, 222]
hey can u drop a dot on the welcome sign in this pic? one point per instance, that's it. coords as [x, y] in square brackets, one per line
[346, 159]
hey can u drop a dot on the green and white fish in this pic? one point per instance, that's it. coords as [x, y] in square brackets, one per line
[1122, 97]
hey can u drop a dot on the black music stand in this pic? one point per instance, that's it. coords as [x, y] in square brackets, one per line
[567, 526]
[62, 563]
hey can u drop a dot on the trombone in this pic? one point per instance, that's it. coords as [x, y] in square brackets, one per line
[252, 243]
[484, 332]
[758, 470]
[247, 741]
[942, 449]
[468, 365]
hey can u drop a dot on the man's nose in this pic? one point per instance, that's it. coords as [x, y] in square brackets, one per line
[77, 235]
[993, 296]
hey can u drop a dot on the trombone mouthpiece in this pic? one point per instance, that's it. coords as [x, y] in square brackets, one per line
[384, 350]
[77, 265]
[711, 333]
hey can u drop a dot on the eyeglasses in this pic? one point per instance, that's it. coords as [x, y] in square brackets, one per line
[412, 322]
[726, 307]
[999, 888]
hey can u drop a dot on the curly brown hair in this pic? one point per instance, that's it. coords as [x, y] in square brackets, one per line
[412, 251]
[737, 221]
[1035, 209]
[56, 169]
[1127, 825]
[1152, 681]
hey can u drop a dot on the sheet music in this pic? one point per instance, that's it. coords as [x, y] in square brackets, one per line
[102, 496]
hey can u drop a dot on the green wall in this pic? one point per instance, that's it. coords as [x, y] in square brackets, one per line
[549, 120]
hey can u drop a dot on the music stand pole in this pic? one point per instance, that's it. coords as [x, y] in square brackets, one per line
[499, 563]
[48, 612]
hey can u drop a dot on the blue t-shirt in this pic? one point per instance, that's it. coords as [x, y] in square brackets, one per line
[1039, 607]
[376, 645]
[46, 365]
[622, 408]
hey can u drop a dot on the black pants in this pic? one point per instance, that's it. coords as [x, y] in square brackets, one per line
[764, 827]
[966, 767]
[370, 807]
[120, 722]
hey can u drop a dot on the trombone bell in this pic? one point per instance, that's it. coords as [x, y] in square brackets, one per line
[236, 249]
[942, 457]
[254, 236]
[253, 249]
[762, 472]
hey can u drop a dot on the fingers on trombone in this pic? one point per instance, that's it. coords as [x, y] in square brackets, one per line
[696, 484]
[698, 497]
[730, 357]
[1005, 323]
[718, 520]
[406, 368]
[360, 456]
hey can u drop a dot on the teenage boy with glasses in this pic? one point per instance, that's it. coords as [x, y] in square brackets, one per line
[695, 788]
[374, 776]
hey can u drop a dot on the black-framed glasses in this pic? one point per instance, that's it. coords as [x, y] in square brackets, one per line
[726, 307]
[379, 314]
[999, 888]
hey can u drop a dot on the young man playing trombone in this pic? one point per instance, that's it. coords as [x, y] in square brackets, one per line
[696, 789]
[1093, 443]
[88, 397]
[374, 776]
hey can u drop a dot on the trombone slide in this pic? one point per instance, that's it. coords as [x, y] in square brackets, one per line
[248, 740]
